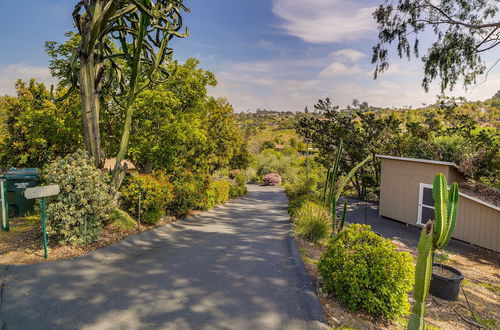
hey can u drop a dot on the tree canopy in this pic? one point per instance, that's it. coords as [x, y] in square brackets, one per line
[463, 32]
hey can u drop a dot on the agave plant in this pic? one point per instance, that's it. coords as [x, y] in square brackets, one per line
[113, 34]
[333, 189]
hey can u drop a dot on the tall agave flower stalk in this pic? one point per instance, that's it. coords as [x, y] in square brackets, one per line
[435, 235]
[333, 189]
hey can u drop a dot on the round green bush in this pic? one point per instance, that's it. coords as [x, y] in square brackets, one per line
[155, 193]
[367, 273]
[189, 193]
[77, 214]
[312, 222]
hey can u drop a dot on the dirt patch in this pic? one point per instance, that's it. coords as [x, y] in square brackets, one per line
[481, 286]
[23, 243]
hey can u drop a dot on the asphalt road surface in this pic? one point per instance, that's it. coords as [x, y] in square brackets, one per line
[235, 267]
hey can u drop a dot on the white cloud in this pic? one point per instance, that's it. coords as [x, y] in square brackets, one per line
[327, 21]
[349, 54]
[293, 84]
[340, 69]
[11, 73]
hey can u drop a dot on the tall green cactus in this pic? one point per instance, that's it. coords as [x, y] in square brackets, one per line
[435, 235]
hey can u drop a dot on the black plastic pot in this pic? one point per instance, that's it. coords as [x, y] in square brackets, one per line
[446, 288]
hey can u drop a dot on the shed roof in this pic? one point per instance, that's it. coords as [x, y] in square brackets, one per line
[109, 164]
[418, 160]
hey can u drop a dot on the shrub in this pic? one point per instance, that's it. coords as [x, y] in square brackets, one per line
[189, 192]
[272, 179]
[239, 189]
[217, 192]
[296, 190]
[121, 219]
[312, 222]
[295, 204]
[155, 194]
[77, 214]
[366, 272]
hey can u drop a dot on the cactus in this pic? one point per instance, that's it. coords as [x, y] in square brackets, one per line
[331, 197]
[435, 235]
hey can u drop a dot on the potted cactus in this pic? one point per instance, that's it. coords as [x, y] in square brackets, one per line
[435, 235]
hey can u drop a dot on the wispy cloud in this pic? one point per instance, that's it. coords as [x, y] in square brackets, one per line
[340, 69]
[11, 73]
[327, 21]
[349, 54]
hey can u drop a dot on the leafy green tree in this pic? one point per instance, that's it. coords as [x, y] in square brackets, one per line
[363, 133]
[464, 31]
[224, 139]
[168, 126]
[142, 29]
[34, 130]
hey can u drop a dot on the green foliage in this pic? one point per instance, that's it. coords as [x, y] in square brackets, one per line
[169, 129]
[121, 219]
[435, 235]
[154, 192]
[77, 214]
[225, 143]
[293, 191]
[294, 205]
[312, 222]
[217, 192]
[189, 192]
[464, 31]
[34, 130]
[240, 187]
[366, 272]
[334, 188]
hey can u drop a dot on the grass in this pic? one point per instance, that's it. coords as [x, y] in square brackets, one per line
[491, 287]
[485, 322]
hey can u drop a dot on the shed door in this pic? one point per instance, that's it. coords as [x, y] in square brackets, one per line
[425, 204]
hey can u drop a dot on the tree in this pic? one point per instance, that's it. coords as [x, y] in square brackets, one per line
[465, 30]
[142, 29]
[223, 138]
[34, 130]
[167, 128]
[363, 133]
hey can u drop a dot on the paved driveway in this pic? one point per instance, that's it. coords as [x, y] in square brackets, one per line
[235, 267]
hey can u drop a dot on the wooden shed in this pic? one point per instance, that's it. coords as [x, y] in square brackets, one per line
[406, 195]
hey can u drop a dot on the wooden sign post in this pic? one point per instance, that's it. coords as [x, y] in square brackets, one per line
[42, 192]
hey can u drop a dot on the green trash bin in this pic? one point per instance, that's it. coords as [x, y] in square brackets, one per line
[17, 182]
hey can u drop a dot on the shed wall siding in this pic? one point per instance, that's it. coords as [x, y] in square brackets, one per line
[399, 187]
[477, 224]
[400, 181]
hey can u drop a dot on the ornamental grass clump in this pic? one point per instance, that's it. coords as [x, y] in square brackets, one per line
[272, 179]
[312, 222]
[366, 272]
[77, 214]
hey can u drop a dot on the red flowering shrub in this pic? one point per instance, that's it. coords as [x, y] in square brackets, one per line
[272, 179]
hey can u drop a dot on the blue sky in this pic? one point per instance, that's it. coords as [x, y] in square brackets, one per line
[274, 54]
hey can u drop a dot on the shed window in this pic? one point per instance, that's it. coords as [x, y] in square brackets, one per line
[425, 204]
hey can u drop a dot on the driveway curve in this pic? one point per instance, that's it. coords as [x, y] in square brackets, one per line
[235, 267]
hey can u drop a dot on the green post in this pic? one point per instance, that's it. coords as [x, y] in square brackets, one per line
[5, 206]
[44, 228]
